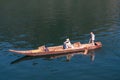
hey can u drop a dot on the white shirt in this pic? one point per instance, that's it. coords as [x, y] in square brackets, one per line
[68, 44]
[92, 36]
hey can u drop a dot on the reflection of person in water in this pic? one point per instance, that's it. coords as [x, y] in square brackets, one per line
[86, 53]
[92, 56]
[68, 57]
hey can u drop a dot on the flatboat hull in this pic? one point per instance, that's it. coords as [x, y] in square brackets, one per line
[58, 50]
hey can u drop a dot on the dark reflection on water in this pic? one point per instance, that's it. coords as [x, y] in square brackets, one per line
[49, 57]
[27, 24]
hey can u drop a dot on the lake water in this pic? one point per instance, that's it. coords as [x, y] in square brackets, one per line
[28, 24]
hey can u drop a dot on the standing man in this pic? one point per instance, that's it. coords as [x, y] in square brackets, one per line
[92, 39]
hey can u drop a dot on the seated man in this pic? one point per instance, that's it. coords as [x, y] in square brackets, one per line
[67, 44]
[43, 48]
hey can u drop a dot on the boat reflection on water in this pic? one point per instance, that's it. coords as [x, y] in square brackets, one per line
[68, 56]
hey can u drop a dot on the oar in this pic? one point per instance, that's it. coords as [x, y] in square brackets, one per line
[86, 50]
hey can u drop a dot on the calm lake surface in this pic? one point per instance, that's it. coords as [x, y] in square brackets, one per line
[28, 24]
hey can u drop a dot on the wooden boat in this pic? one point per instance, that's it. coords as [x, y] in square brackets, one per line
[42, 50]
